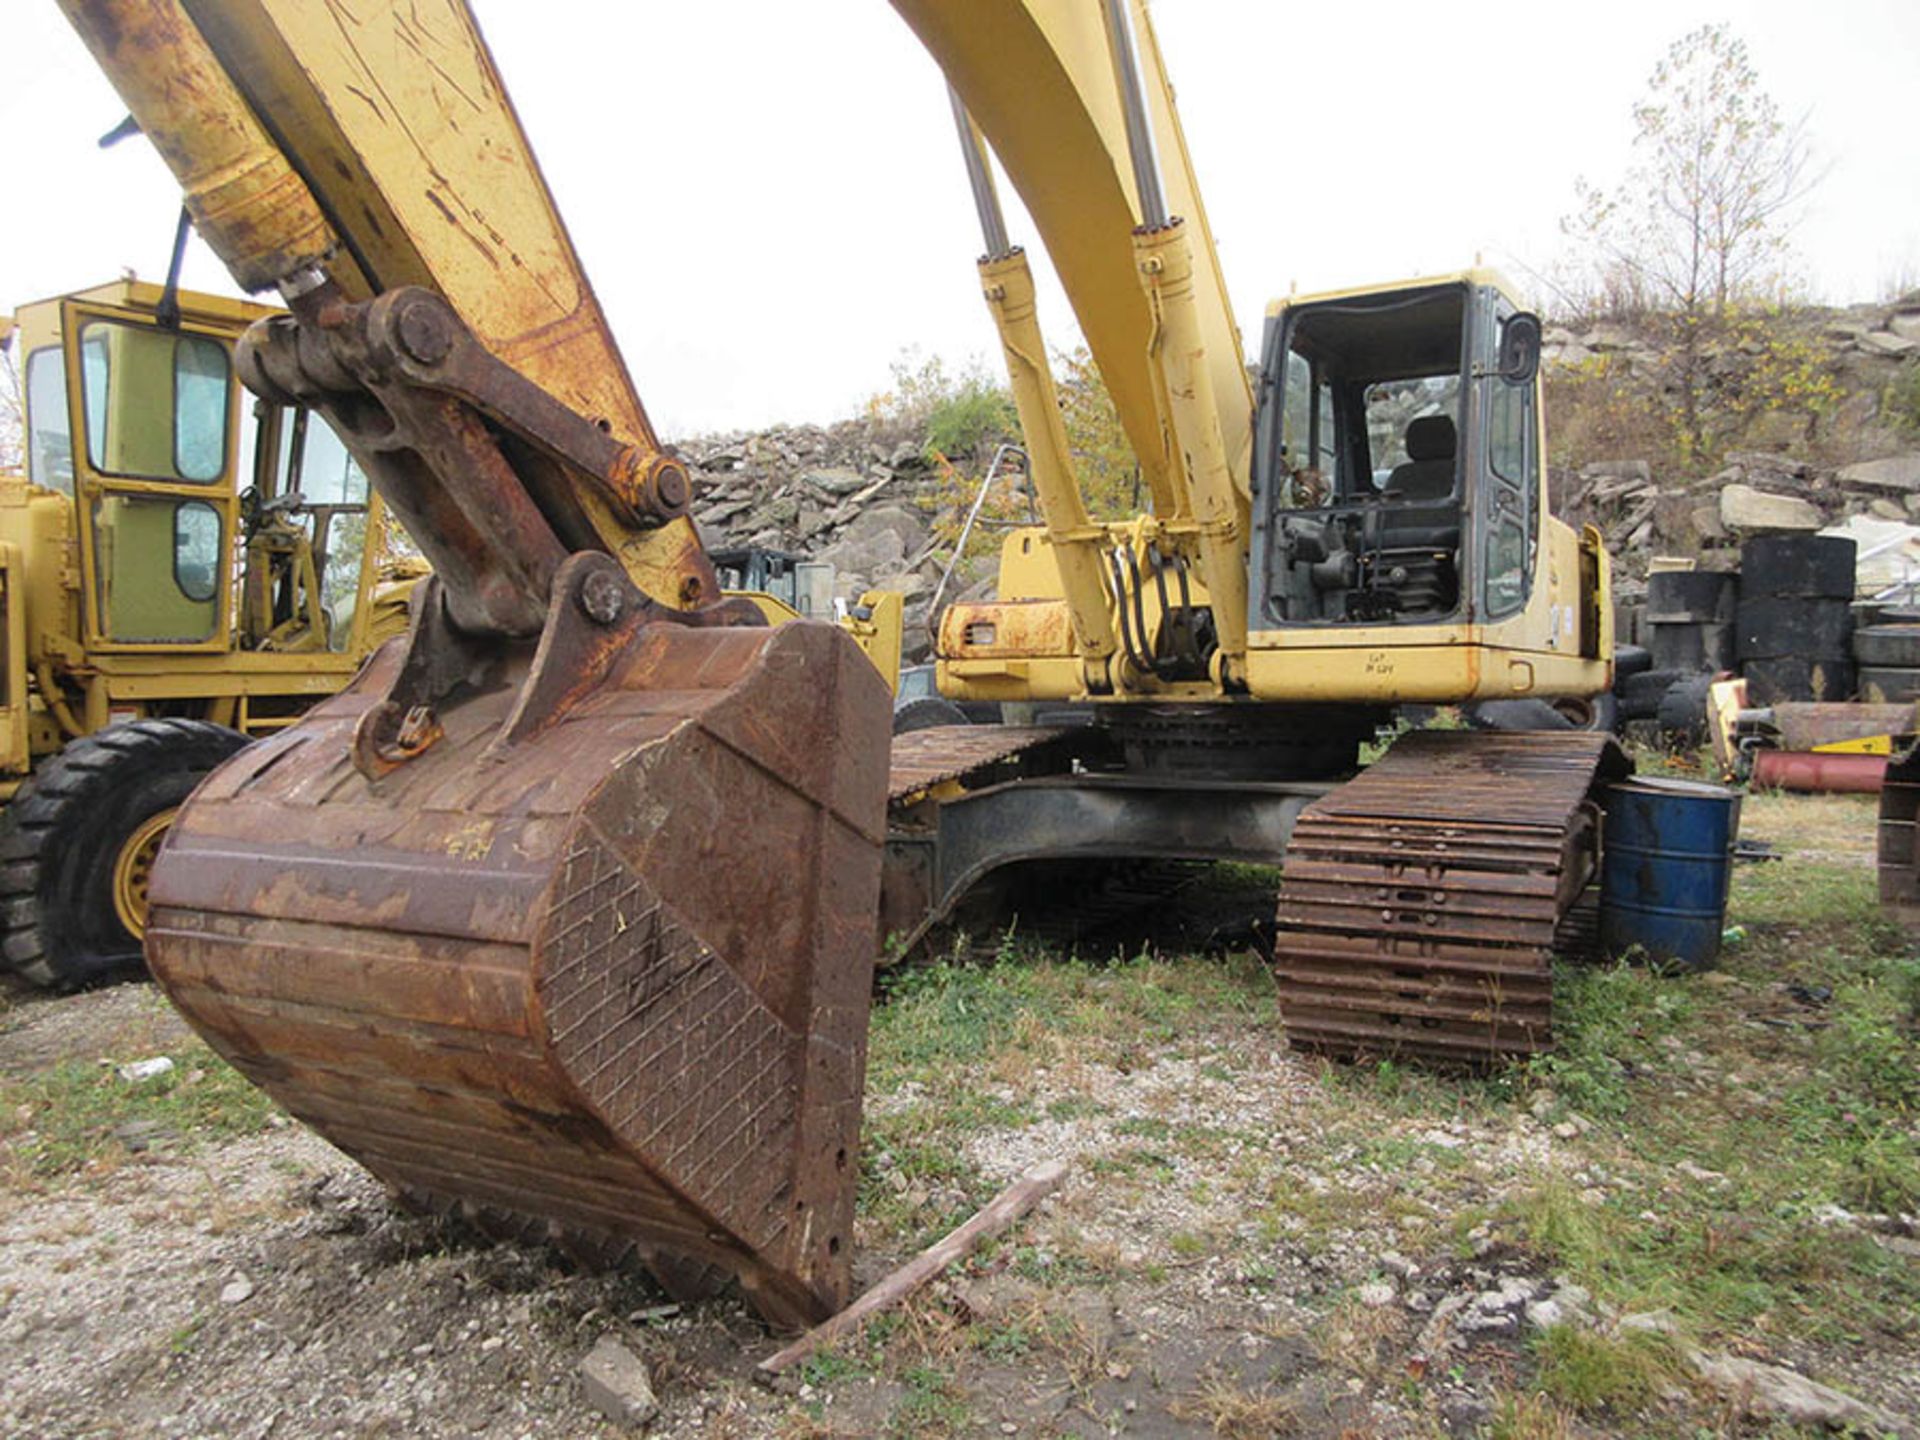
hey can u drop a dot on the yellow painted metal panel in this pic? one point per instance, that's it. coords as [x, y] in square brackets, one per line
[395, 116]
[1037, 77]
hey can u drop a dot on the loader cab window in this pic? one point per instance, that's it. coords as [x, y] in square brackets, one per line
[323, 491]
[155, 408]
[49, 431]
[1358, 460]
[156, 403]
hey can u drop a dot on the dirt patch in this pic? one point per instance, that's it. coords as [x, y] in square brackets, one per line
[121, 1023]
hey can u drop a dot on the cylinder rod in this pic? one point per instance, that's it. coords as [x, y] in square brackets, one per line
[1126, 73]
[986, 201]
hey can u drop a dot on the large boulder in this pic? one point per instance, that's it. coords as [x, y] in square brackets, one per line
[1744, 508]
[1899, 473]
[892, 519]
[872, 553]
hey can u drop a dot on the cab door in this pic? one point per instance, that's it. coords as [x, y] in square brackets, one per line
[155, 425]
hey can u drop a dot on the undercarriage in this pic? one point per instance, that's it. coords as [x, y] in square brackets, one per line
[1420, 903]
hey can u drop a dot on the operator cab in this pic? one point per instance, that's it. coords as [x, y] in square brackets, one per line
[140, 423]
[1396, 462]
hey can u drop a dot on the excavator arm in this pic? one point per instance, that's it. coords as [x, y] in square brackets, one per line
[339, 156]
[562, 912]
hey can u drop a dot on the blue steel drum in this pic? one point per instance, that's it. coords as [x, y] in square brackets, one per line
[1667, 862]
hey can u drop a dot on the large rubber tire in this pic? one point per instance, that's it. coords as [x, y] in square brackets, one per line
[1895, 645]
[1889, 684]
[1639, 695]
[1696, 646]
[63, 836]
[1683, 710]
[1630, 660]
[1528, 714]
[1771, 627]
[927, 712]
[1598, 713]
[1682, 595]
[1819, 566]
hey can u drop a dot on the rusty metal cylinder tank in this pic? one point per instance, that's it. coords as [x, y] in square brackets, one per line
[611, 978]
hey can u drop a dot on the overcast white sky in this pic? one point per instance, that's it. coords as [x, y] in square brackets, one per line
[768, 194]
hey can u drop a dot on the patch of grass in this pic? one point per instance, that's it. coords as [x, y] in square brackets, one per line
[1589, 1371]
[1518, 1416]
[1075, 1107]
[1352, 1337]
[80, 1115]
[1609, 1021]
[1008, 1341]
[1235, 1412]
[933, 1405]
[946, 1014]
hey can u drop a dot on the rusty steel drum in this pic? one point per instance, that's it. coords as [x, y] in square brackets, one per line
[608, 976]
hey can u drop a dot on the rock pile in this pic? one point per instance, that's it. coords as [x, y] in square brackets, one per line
[1856, 336]
[1754, 494]
[861, 495]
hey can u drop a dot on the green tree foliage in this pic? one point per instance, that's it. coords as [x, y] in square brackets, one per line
[963, 417]
[1102, 457]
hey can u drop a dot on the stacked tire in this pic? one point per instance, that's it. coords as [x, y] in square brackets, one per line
[1889, 662]
[1793, 627]
[1690, 616]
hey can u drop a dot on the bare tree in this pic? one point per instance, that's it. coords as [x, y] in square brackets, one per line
[12, 420]
[1698, 227]
[1701, 218]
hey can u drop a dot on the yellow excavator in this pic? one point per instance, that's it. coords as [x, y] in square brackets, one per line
[564, 911]
[1365, 527]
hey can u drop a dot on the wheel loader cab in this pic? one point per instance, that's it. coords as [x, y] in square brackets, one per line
[1396, 468]
[175, 474]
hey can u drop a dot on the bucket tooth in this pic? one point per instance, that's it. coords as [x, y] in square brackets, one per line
[610, 979]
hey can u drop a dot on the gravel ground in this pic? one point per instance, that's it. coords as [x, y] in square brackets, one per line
[1248, 1243]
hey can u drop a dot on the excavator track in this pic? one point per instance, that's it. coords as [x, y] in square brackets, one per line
[922, 759]
[1421, 903]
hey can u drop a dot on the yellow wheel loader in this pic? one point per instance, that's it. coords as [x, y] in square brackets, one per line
[183, 570]
[564, 911]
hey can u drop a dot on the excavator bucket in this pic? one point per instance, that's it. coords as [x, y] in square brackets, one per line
[602, 972]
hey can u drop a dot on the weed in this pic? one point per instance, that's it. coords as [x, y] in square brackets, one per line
[933, 1404]
[1237, 1413]
[1352, 1336]
[1589, 1371]
[1518, 1416]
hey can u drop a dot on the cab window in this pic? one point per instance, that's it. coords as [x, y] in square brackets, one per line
[155, 403]
[158, 567]
[49, 431]
[1513, 479]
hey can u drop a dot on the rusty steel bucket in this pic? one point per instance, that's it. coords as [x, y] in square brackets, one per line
[611, 978]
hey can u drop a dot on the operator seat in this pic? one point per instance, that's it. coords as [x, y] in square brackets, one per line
[1421, 513]
[1427, 474]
